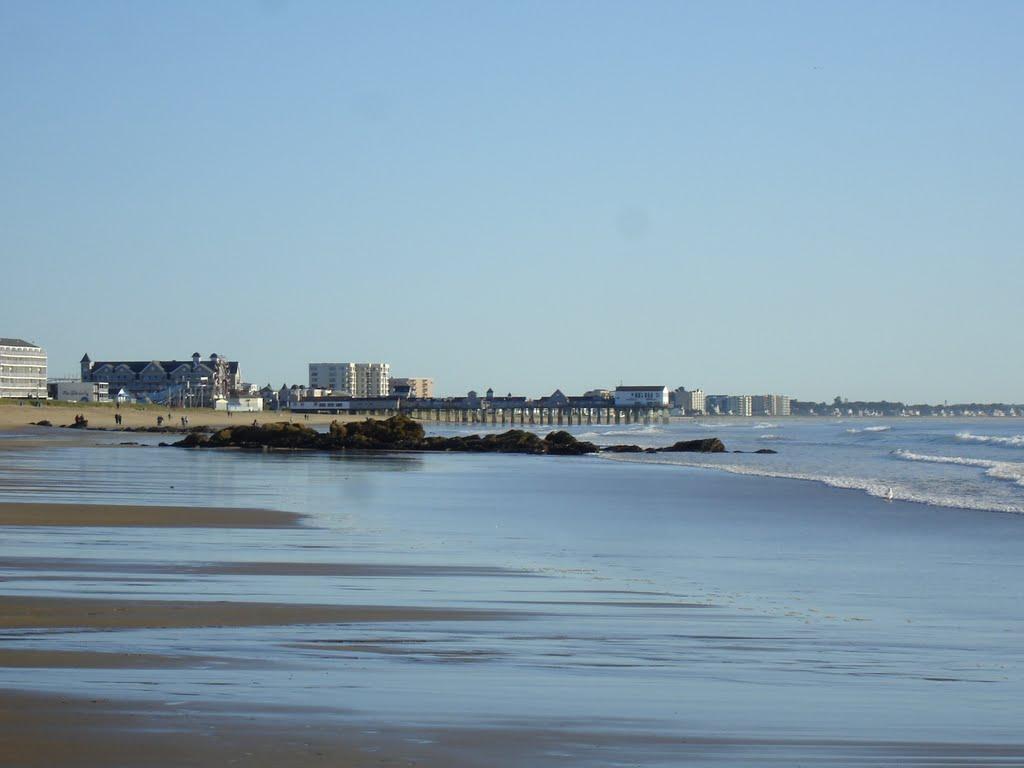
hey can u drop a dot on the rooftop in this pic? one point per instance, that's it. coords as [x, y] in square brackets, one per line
[17, 343]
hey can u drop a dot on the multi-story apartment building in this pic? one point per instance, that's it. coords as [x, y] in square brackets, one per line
[355, 379]
[771, 405]
[417, 387]
[689, 401]
[739, 405]
[22, 369]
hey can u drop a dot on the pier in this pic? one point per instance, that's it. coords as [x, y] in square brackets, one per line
[511, 412]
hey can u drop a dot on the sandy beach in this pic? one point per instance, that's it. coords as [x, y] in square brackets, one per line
[14, 415]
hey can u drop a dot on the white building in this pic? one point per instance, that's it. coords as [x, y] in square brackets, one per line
[355, 379]
[651, 397]
[22, 369]
[238, 404]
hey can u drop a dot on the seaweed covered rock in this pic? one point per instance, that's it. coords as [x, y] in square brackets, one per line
[280, 434]
[396, 433]
[561, 443]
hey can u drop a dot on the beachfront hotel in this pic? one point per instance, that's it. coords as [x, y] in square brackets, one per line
[22, 369]
[355, 379]
[159, 379]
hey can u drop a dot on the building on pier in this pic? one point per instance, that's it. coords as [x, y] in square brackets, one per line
[646, 396]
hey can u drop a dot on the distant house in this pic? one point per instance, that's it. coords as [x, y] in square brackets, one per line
[647, 396]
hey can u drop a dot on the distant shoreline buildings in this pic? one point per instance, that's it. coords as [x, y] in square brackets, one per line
[369, 387]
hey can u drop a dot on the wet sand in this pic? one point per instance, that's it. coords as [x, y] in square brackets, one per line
[80, 566]
[31, 658]
[111, 515]
[101, 732]
[100, 613]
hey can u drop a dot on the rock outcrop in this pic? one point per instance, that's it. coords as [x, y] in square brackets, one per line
[398, 433]
[401, 433]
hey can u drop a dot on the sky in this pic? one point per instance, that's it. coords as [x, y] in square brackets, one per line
[815, 198]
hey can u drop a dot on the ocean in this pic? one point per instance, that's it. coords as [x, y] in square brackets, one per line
[652, 610]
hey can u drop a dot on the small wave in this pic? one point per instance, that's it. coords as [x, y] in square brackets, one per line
[1015, 441]
[768, 436]
[1000, 470]
[856, 431]
[871, 486]
[765, 425]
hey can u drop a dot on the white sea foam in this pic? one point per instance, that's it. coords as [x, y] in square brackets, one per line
[1014, 441]
[648, 429]
[769, 436]
[881, 428]
[765, 425]
[1000, 470]
[872, 486]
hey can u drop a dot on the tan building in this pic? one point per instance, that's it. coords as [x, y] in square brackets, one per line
[22, 369]
[414, 386]
[354, 379]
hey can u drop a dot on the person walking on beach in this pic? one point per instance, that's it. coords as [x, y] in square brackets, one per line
[159, 421]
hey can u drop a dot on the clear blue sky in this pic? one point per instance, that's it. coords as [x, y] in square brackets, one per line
[813, 198]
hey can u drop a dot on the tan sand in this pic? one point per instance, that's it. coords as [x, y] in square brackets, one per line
[13, 415]
[100, 613]
[110, 515]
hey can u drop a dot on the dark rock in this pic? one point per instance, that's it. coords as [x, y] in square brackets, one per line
[765, 450]
[42, 423]
[707, 445]
[621, 449]
[561, 443]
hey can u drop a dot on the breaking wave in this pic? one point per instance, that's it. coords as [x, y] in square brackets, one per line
[1015, 441]
[768, 436]
[1000, 470]
[882, 428]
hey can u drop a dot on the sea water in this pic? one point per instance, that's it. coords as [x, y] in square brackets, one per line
[661, 600]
